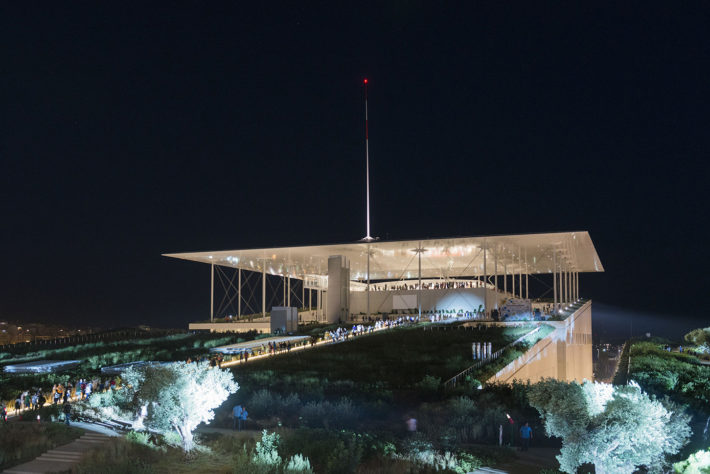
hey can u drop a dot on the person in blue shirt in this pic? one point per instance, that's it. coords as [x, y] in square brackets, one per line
[243, 419]
[525, 436]
[237, 416]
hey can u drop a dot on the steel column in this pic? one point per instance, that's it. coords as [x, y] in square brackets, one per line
[485, 280]
[495, 277]
[419, 251]
[263, 288]
[368, 277]
[554, 281]
[212, 293]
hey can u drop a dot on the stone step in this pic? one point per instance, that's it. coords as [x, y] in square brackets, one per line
[63, 453]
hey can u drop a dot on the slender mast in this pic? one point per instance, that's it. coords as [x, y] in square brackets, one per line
[367, 169]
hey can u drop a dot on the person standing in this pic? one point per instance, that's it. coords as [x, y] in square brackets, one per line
[66, 408]
[525, 436]
[237, 416]
[243, 419]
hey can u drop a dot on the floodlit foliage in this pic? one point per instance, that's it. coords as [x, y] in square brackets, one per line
[697, 463]
[168, 398]
[298, 464]
[700, 338]
[616, 428]
[683, 376]
[266, 451]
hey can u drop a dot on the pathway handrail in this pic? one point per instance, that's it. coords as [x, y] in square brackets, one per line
[453, 380]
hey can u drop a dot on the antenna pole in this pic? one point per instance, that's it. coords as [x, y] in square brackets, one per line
[367, 168]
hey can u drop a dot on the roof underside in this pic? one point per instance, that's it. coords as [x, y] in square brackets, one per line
[441, 258]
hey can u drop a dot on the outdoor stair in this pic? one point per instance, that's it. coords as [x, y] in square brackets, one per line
[61, 458]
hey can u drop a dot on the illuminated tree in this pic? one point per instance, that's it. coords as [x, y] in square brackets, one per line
[698, 462]
[173, 397]
[616, 428]
[700, 338]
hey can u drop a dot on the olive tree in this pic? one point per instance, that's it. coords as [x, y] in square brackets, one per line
[174, 397]
[616, 428]
[700, 338]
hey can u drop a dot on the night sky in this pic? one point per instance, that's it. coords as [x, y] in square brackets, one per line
[129, 130]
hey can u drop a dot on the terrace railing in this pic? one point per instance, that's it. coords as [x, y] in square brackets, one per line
[451, 383]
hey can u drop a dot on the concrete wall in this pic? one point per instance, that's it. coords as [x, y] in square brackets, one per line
[337, 303]
[565, 354]
[467, 299]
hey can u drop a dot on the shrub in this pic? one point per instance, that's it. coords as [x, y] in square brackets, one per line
[696, 463]
[342, 414]
[429, 383]
[298, 464]
[266, 451]
[329, 451]
[139, 437]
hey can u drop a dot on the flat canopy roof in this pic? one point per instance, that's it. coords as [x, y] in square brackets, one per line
[441, 258]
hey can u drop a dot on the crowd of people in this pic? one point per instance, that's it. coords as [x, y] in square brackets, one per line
[61, 394]
[443, 285]
[343, 334]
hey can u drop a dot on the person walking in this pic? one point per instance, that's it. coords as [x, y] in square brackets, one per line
[243, 419]
[525, 436]
[237, 416]
[66, 408]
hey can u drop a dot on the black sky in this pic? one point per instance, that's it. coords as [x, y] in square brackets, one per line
[133, 129]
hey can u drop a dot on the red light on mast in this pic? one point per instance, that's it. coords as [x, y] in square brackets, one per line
[365, 81]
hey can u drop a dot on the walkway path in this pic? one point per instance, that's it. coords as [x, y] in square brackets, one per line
[527, 462]
[64, 457]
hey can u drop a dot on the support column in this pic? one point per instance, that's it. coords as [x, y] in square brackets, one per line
[563, 287]
[554, 281]
[512, 280]
[263, 289]
[212, 294]
[368, 281]
[288, 297]
[239, 293]
[495, 277]
[505, 279]
[485, 280]
[419, 294]
[527, 277]
[520, 274]
[303, 293]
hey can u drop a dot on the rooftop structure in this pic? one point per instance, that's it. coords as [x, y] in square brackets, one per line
[344, 276]
[441, 258]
